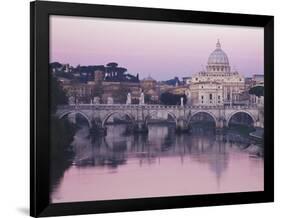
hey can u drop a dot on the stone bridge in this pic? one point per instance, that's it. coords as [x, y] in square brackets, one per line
[98, 114]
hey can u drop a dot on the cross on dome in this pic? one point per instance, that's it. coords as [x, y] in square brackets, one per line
[218, 44]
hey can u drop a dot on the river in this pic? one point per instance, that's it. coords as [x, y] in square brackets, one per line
[161, 163]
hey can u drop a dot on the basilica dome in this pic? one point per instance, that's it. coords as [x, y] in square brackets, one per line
[218, 60]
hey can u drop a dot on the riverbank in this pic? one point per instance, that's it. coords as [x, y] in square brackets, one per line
[258, 134]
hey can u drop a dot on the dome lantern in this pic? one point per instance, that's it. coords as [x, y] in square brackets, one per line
[218, 44]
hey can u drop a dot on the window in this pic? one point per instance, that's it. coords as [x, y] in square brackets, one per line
[202, 97]
[202, 87]
[211, 96]
[219, 97]
[228, 96]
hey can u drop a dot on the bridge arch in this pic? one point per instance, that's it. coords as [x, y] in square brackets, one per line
[76, 112]
[155, 112]
[204, 112]
[240, 111]
[131, 117]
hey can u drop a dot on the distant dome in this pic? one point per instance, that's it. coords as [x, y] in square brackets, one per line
[218, 56]
[218, 60]
[149, 78]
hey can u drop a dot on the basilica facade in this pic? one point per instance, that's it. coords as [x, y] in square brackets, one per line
[217, 85]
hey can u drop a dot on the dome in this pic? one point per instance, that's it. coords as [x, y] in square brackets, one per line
[218, 56]
[218, 61]
[149, 78]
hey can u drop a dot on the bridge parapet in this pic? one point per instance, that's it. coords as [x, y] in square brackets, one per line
[151, 106]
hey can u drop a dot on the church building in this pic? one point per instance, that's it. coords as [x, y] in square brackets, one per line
[218, 85]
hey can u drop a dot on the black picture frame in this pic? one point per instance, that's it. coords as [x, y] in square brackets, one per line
[40, 106]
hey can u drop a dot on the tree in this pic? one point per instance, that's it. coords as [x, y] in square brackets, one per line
[168, 98]
[58, 96]
[120, 96]
[111, 69]
[55, 65]
[62, 131]
[97, 90]
[112, 65]
[172, 81]
[257, 90]
[121, 70]
[147, 98]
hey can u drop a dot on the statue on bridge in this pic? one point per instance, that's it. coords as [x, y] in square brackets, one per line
[110, 100]
[181, 101]
[71, 100]
[187, 95]
[141, 101]
[96, 100]
[129, 98]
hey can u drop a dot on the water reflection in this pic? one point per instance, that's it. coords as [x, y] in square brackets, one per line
[158, 164]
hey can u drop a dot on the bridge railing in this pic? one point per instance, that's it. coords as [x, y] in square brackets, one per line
[148, 106]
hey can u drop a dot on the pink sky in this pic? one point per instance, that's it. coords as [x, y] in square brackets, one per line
[160, 49]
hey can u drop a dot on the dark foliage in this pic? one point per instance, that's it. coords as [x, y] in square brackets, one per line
[65, 75]
[62, 133]
[167, 98]
[98, 90]
[257, 90]
[90, 69]
[120, 95]
[172, 82]
[55, 65]
[58, 96]
[112, 64]
[87, 73]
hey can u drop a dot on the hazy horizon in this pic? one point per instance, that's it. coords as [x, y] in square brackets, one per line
[162, 50]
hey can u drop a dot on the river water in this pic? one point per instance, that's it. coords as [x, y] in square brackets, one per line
[161, 163]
